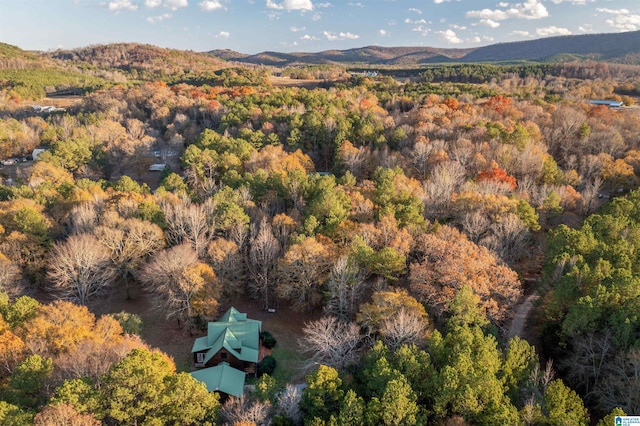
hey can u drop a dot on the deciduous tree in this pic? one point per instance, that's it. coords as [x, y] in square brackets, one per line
[190, 223]
[288, 403]
[264, 252]
[80, 269]
[448, 261]
[181, 286]
[346, 286]
[385, 306]
[303, 271]
[10, 280]
[330, 342]
[245, 411]
[129, 242]
[63, 414]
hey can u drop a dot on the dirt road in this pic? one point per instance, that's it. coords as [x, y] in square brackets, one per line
[522, 314]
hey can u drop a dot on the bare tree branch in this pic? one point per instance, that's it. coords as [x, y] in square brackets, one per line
[80, 269]
[330, 342]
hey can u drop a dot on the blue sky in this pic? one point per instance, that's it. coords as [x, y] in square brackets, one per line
[252, 26]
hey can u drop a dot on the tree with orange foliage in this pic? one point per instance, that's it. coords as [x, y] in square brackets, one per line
[273, 159]
[498, 103]
[496, 174]
[451, 103]
[447, 261]
[12, 348]
[106, 345]
[617, 173]
[58, 327]
[63, 414]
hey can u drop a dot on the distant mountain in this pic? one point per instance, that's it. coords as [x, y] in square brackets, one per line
[31, 74]
[227, 55]
[146, 60]
[370, 55]
[611, 47]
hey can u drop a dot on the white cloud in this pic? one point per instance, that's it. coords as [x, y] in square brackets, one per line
[297, 29]
[122, 5]
[211, 5]
[625, 22]
[422, 30]
[358, 4]
[169, 4]
[586, 28]
[572, 1]
[479, 39]
[416, 22]
[613, 11]
[290, 5]
[413, 9]
[308, 37]
[495, 15]
[224, 34]
[438, 1]
[521, 33]
[323, 5]
[154, 19]
[450, 36]
[490, 23]
[340, 36]
[530, 9]
[382, 32]
[552, 31]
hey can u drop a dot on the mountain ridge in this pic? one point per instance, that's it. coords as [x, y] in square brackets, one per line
[612, 47]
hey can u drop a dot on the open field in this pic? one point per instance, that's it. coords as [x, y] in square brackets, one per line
[293, 82]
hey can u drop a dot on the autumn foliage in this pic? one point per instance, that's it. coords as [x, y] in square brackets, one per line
[498, 175]
[447, 261]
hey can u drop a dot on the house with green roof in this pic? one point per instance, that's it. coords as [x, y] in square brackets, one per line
[233, 339]
[221, 378]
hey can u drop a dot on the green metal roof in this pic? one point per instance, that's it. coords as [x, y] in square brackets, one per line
[234, 332]
[233, 315]
[200, 344]
[221, 378]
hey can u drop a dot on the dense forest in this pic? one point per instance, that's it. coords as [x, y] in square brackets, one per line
[403, 221]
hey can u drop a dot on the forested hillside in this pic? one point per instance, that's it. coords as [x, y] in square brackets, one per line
[396, 227]
[614, 47]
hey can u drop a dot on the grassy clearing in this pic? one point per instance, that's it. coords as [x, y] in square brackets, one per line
[288, 364]
[157, 332]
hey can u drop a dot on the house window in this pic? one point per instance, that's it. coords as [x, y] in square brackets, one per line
[223, 355]
[200, 357]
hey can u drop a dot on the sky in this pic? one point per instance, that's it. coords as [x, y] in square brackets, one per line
[253, 26]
